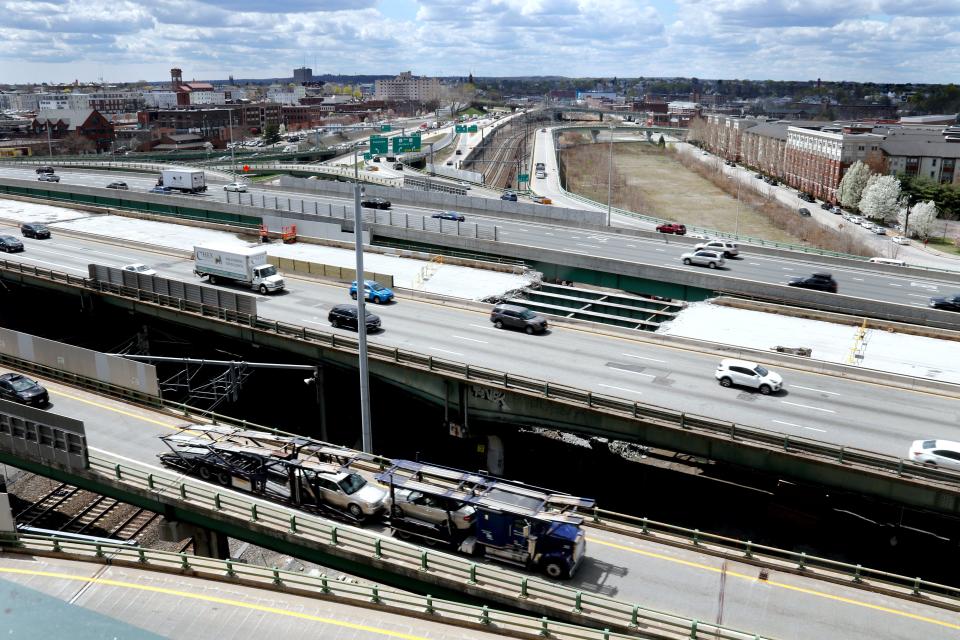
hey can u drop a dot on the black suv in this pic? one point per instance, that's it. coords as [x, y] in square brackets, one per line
[34, 230]
[118, 185]
[817, 282]
[9, 244]
[513, 315]
[345, 315]
[45, 169]
[947, 303]
[375, 203]
[806, 197]
[22, 389]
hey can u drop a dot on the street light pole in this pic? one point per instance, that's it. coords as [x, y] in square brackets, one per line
[365, 426]
[49, 143]
[431, 172]
[610, 179]
[233, 148]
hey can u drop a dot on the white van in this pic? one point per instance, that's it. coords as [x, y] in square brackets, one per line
[890, 261]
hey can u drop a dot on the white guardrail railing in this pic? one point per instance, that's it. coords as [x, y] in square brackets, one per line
[445, 569]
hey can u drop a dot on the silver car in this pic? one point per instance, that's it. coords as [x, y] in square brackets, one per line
[704, 258]
[352, 493]
[727, 248]
[433, 509]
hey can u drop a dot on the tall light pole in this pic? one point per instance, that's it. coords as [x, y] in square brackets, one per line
[49, 143]
[366, 429]
[739, 182]
[233, 147]
[610, 179]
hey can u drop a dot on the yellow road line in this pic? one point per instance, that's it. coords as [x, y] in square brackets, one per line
[100, 405]
[781, 585]
[213, 599]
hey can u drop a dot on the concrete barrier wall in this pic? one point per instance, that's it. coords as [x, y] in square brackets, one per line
[334, 272]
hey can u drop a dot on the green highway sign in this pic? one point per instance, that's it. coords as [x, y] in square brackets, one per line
[385, 127]
[402, 144]
[461, 128]
[378, 144]
[472, 128]
[367, 155]
[523, 177]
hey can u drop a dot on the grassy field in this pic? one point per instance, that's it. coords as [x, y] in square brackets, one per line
[650, 181]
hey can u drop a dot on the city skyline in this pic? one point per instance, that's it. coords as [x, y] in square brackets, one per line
[129, 41]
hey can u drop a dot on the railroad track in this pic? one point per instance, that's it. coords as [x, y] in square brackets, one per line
[43, 509]
[90, 515]
[133, 526]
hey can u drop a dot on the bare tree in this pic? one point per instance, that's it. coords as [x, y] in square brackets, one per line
[75, 144]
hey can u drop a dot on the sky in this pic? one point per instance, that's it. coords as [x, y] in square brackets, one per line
[129, 40]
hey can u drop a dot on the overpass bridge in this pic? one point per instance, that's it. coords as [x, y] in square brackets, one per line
[639, 577]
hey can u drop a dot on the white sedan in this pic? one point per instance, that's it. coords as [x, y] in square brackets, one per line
[138, 267]
[236, 186]
[936, 453]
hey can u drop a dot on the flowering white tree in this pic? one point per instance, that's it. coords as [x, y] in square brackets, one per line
[852, 184]
[920, 223]
[880, 199]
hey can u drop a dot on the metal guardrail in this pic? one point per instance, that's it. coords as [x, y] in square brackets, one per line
[372, 216]
[346, 172]
[671, 418]
[496, 582]
[114, 164]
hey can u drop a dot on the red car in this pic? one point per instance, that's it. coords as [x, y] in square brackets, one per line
[672, 227]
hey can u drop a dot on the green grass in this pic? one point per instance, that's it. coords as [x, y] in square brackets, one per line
[942, 244]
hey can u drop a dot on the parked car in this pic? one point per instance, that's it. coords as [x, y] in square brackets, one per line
[375, 203]
[900, 239]
[703, 258]
[826, 206]
[816, 281]
[744, 373]
[879, 230]
[345, 315]
[727, 248]
[9, 244]
[804, 212]
[236, 186]
[34, 230]
[758, 176]
[806, 197]
[138, 267]
[836, 210]
[45, 169]
[891, 261]
[162, 190]
[730, 163]
[118, 185]
[936, 453]
[947, 303]
[48, 177]
[517, 317]
[375, 292]
[672, 227]
[20, 388]
[509, 195]
[856, 219]
[449, 163]
[438, 510]
[449, 215]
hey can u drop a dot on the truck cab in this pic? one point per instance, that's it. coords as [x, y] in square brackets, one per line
[266, 275]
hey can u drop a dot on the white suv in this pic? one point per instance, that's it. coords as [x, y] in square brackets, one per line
[704, 258]
[729, 249]
[744, 373]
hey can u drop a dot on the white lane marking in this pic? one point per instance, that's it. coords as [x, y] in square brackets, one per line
[589, 246]
[632, 246]
[754, 264]
[806, 406]
[649, 375]
[313, 321]
[610, 386]
[56, 264]
[630, 355]
[894, 285]
[859, 279]
[917, 295]
[786, 268]
[454, 353]
[659, 249]
[796, 386]
[483, 326]
[925, 285]
[799, 426]
[548, 234]
[470, 339]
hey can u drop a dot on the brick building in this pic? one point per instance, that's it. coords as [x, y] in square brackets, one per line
[763, 147]
[88, 123]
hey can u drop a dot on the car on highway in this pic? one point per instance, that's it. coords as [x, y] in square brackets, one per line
[515, 316]
[542, 200]
[936, 453]
[9, 244]
[804, 212]
[375, 203]
[836, 210]
[543, 130]
[48, 177]
[240, 187]
[891, 261]
[437, 510]
[947, 303]
[345, 315]
[703, 258]
[758, 176]
[509, 195]
[375, 292]
[398, 166]
[856, 219]
[879, 230]
[826, 206]
[34, 230]
[449, 215]
[118, 185]
[816, 281]
[45, 169]
[743, 373]
[672, 227]
[19, 388]
[163, 190]
[463, 185]
[139, 267]
[727, 248]
[900, 239]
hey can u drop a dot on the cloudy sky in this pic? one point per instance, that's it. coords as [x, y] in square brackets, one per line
[128, 40]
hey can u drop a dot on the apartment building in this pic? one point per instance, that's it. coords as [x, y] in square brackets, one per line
[406, 86]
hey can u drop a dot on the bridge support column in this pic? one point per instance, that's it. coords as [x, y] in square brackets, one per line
[6, 515]
[206, 542]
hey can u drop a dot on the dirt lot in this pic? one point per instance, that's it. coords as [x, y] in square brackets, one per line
[651, 181]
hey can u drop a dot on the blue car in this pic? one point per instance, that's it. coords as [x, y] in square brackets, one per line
[449, 215]
[376, 292]
[165, 190]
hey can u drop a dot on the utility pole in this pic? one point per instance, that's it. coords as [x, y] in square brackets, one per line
[610, 179]
[233, 148]
[49, 143]
[366, 429]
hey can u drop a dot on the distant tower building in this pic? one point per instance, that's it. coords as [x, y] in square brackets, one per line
[176, 78]
[302, 75]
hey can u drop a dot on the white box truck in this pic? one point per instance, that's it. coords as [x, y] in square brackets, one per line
[186, 180]
[237, 264]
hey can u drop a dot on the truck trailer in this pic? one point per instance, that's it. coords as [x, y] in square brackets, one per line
[185, 180]
[247, 265]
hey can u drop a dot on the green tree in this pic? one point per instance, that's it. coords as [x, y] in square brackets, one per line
[271, 134]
